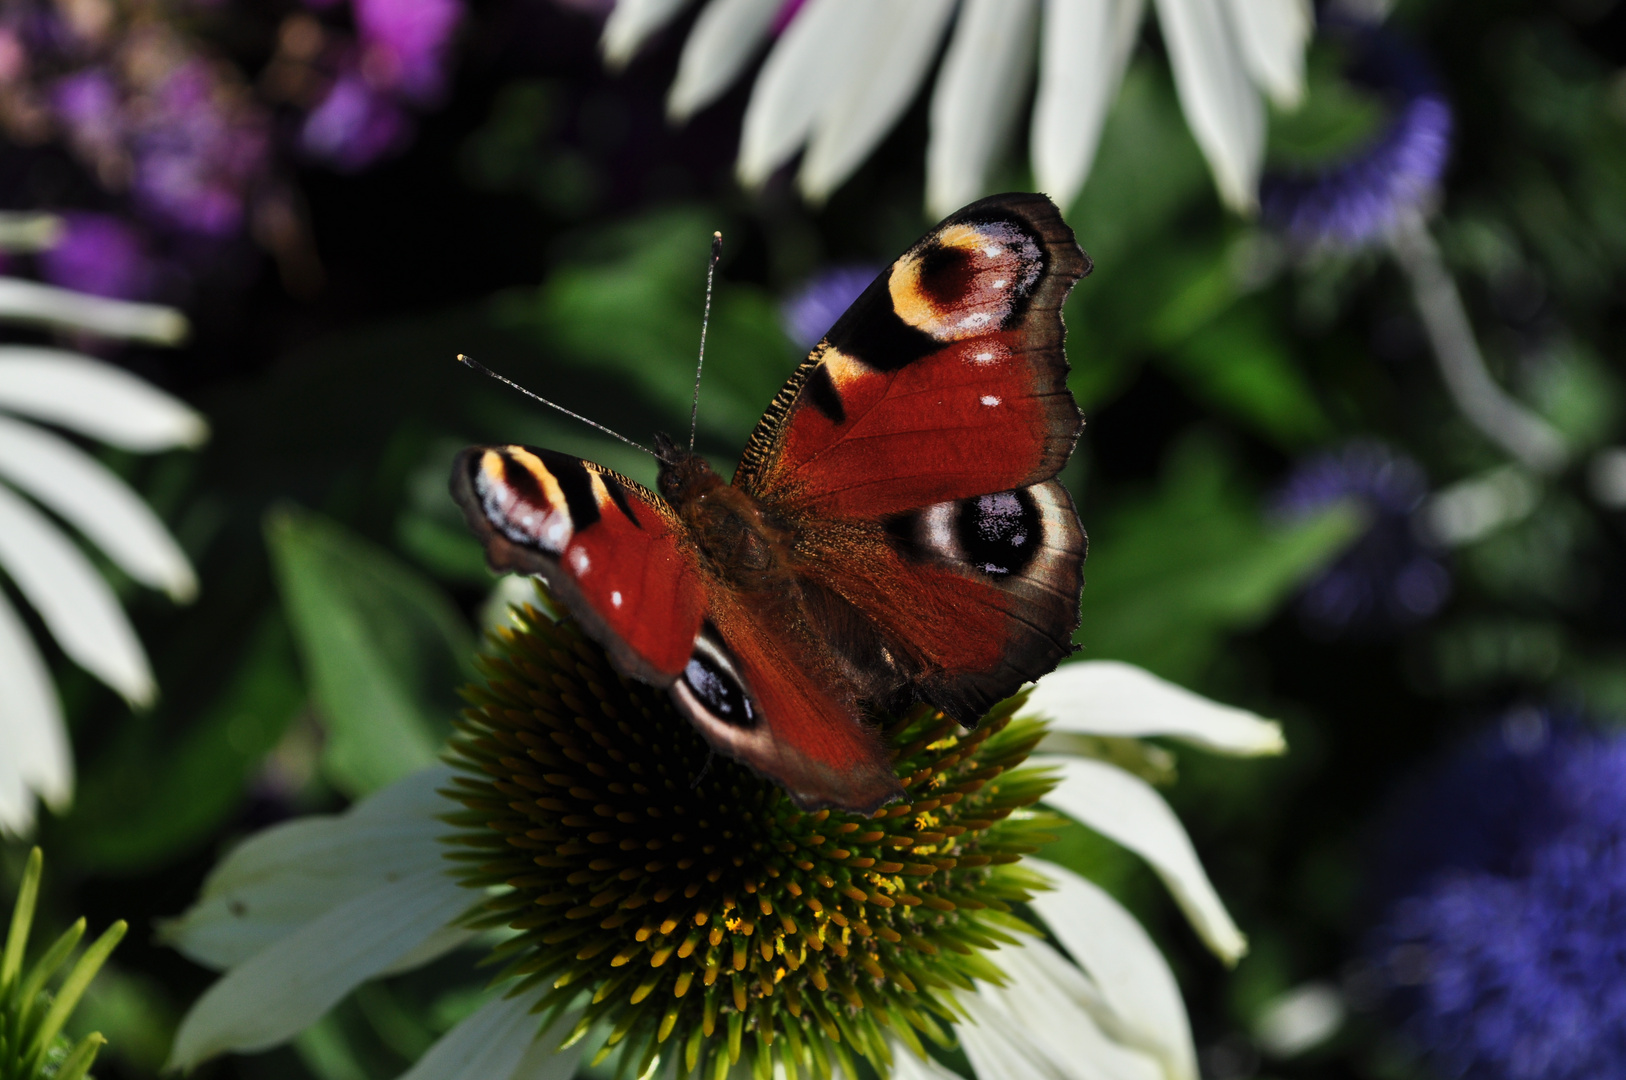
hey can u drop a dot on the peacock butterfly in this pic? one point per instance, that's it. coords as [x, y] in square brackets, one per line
[894, 531]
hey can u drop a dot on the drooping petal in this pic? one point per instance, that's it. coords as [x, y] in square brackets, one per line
[1219, 100]
[76, 605]
[1126, 809]
[1084, 48]
[97, 503]
[287, 986]
[631, 23]
[501, 1040]
[64, 309]
[286, 876]
[816, 55]
[984, 78]
[1109, 697]
[34, 753]
[1042, 1023]
[1273, 35]
[892, 59]
[95, 399]
[1133, 978]
[725, 37]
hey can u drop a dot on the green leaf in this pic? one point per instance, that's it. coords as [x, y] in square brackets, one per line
[1240, 364]
[1168, 576]
[635, 312]
[382, 648]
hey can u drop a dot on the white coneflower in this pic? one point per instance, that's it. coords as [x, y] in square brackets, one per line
[670, 907]
[840, 73]
[43, 474]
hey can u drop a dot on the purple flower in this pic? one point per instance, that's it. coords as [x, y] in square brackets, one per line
[197, 152]
[99, 254]
[89, 107]
[404, 43]
[1354, 200]
[354, 125]
[1502, 942]
[1389, 577]
[812, 309]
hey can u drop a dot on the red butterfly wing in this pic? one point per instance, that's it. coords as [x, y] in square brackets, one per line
[945, 379]
[611, 549]
[913, 452]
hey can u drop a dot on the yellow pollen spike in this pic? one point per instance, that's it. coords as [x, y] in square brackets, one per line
[681, 987]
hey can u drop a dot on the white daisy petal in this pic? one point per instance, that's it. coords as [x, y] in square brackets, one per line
[725, 37]
[813, 58]
[286, 876]
[905, 1066]
[34, 754]
[1219, 100]
[95, 399]
[1085, 47]
[892, 59]
[1047, 1009]
[1273, 35]
[1108, 697]
[288, 986]
[501, 1040]
[1126, 809]
[631, 23]
[64, 309]
[22, 232]
[1133, 978]
[77, 606]
[97, 503]
[984, 78]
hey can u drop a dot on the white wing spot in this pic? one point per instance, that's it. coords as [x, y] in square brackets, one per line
[579, 561]
[615, 598]
[983, 358]
[989, 400]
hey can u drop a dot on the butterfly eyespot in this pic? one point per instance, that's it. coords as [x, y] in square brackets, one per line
[712, 685]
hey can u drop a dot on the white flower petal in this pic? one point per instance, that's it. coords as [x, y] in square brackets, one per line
[725, 37]
[77, 606]
[286, 876]
[1219, 100]
[95, 399]
[502, 1040]
[905, 1066]
[1108, 697]
[286, 987]
[64, 309]
[892, 59]
[630, 25]
[24, 231]
[1126, 809]
[1085, 47]
[1301, 1019]
[1043, 1023]
[984, 78]
[34, 754]
[815, 56]
[97, 503]
[1133, 978]
[1273, 35]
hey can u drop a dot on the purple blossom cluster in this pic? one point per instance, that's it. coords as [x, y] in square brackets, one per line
[816, 305]
[1502, 945]
[359, 91]
[1389, 578]
[1354, 200]
[179, 139]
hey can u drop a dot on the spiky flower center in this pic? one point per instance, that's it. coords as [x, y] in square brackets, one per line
[689, 902]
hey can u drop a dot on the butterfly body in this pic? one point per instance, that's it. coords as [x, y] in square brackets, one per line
[894, 531]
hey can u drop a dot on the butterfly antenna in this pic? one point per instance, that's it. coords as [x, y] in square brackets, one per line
[470, 362]
[705, 321]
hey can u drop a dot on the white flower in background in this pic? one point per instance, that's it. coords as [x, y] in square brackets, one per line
[45, 480]
[840, 73]
[300, 915]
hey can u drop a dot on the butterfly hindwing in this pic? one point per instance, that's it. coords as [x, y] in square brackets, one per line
[610, 548]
